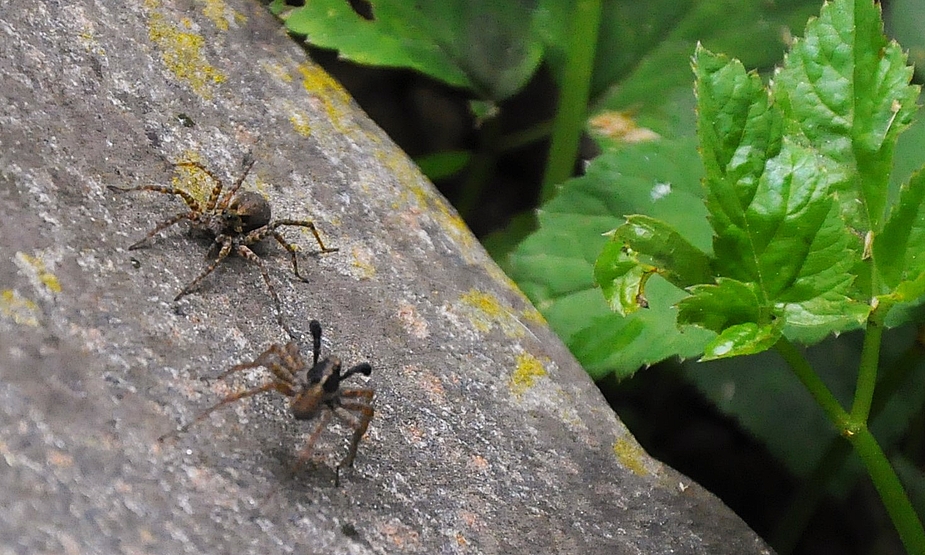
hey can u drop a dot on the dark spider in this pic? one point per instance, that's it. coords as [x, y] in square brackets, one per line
[235, 221]
[316, 395]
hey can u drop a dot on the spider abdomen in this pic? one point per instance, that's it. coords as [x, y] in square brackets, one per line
[248, 211]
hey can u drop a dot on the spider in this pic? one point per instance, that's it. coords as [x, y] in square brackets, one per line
[235, 221]
[316, 395]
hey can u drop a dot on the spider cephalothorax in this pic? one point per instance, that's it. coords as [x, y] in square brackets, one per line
[235, 221]
[315, 391]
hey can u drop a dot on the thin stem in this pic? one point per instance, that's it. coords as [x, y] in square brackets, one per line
[878, 467]
[870, 362]
[481, 168]
[525, 137]
[817, 388]
[806, 500]
[574, 91]
[891, 491]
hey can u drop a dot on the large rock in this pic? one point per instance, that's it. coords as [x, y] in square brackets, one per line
[488, 436]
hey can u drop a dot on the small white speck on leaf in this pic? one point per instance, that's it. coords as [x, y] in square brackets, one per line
[660, 191]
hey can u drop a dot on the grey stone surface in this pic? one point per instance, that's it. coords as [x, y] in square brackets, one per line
[488, 436]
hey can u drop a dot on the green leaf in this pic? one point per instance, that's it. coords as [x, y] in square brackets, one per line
[898, 250]
[664, 249]
[845, 89]
[769, 200]
[621, 278]
[555, 265]
[742, 339]
[782, 232]
[780, 248]
[611, 344]
[645, 46]
[489, 47]
[813, 319]
[738, 129]
[717, 307]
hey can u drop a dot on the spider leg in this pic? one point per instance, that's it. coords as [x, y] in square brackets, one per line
[160, 227]
[216, 189]
[248, 164]
[222, 254]
[306, 451]
[260, 233]
[292, 254]
[187, 198]
[285, 389]
[303, 223]
[279, 360]
[250, 255]
[358, 423]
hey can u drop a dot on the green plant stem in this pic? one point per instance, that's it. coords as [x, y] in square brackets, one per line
[574, 89]
[870, 362]
[523, 138]
[788, 530]
[817, 388]
[481, 167]
[891, 491]
[878, 467]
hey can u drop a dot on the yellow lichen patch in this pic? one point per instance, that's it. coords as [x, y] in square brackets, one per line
[531, 314]
[300, 123]
[36, 267]
[181, 52]
[620, 126]
[323, 87]
[192, 179]
[485, 311]
[18, 309]
[363, 262]
[453, 224]
[89, 41]
[218, 11]
[528, 370]
[277, 71]
[485, 302]
[631, 456]
[424, 198]
[421, 197]
[317, 81]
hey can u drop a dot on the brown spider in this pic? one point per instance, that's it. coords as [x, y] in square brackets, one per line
[235, 222]
[316, 395]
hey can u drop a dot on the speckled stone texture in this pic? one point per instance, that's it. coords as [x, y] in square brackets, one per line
[488, 436]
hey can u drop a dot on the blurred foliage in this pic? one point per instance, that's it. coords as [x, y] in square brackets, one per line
[489, 47]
